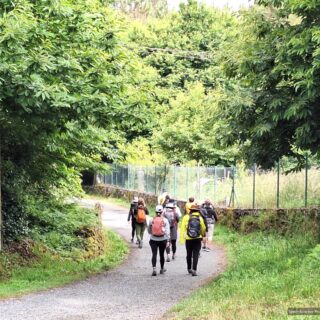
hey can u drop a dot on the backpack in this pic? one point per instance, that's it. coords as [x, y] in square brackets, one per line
[169, 214]
[157, 227]
[193, 229]
[210, 212]
[141, 215]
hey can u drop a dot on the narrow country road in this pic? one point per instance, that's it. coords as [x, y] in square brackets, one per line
[127, 292]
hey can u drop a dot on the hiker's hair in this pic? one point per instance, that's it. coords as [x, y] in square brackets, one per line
[191, 199]
[141, 202]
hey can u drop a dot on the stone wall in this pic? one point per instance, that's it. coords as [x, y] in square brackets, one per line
[283, 221]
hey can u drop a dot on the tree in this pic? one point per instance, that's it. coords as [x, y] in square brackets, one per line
[278, 65]
[67, 97]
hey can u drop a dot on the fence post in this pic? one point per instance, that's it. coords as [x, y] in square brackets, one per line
[215, 184]
[278, 184]
[198, 181]
[187, 184]
[155, 180]
[306, 183]
[254, 187]
[232, 191]
[174, 182]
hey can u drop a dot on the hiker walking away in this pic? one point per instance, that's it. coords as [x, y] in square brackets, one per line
[162, 198]
[133, 207]
[140, 214]
[203, 213]
[212, 218]
[159, 230]
[189, 204]
[173, 217]
[192, 231]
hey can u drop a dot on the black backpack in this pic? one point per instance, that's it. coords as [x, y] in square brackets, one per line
[210, 212]
[193, 230]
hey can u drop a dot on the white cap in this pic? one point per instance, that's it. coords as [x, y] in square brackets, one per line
[159, 208]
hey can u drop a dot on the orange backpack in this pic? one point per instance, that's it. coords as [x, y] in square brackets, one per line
[158, 228]
[141, 215]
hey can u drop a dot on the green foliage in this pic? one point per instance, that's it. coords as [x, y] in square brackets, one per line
[185, 49]
[267, 274]
[278, 64]
[51, 270]
[68, 97]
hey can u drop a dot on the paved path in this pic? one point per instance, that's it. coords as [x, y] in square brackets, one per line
[127, 292]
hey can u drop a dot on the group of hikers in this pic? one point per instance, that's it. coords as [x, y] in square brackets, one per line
[196, 229]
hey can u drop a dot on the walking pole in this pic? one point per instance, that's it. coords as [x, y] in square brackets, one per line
[254, 187]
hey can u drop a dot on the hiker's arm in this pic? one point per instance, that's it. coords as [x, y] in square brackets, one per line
[130, 213]
[183, 229]
[203, 228]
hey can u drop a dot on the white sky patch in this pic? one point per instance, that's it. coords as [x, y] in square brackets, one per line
[231, 4]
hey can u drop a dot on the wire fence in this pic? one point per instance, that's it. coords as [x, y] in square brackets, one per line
[227, 186]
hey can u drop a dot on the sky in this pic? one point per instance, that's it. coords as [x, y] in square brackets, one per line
[232, 4]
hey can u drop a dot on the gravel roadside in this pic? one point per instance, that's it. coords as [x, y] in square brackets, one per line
[126, 292]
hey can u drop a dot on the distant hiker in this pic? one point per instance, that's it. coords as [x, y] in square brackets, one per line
[170, 212]
[140, 214]
[159, 230]
[189, 204]
[203, 214]
[133, 207]
[163, 198]
[192, 231]
[212, 218]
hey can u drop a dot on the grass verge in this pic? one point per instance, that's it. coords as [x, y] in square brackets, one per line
[49, 271]
[267, 274]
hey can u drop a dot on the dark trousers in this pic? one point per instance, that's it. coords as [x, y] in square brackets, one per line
[173, 245]
[193, 249]
[154, 248]
[133, 226]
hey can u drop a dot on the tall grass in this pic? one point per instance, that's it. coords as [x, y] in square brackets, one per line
[267, 274]
[52, 270]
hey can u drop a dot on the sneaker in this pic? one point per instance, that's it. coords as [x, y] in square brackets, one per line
[131, 240]
[173, 257]
[137, 242]
[204, 248]
[190, 271]
[194, 273]
[140, 245]
[162, 271]
[207, 249]
[168, 259]
[154, 273]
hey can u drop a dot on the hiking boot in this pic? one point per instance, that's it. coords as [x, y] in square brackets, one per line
[140, 245]
[162, 271]
[207, 249]
[168, 259]
[194, 273]
[173, 257]
[190, 271]
[204, 248]
[154, 273]
[131, 240]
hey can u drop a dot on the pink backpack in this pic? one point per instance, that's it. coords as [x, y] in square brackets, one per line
[157, 228]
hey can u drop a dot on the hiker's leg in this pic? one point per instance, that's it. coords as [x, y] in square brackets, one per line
[162, 247]
[174, 246]
[133, 226]
[138, 232]
[189, 253]
[143, 227]
[196, 247]
[210, 232]
[154, 249]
